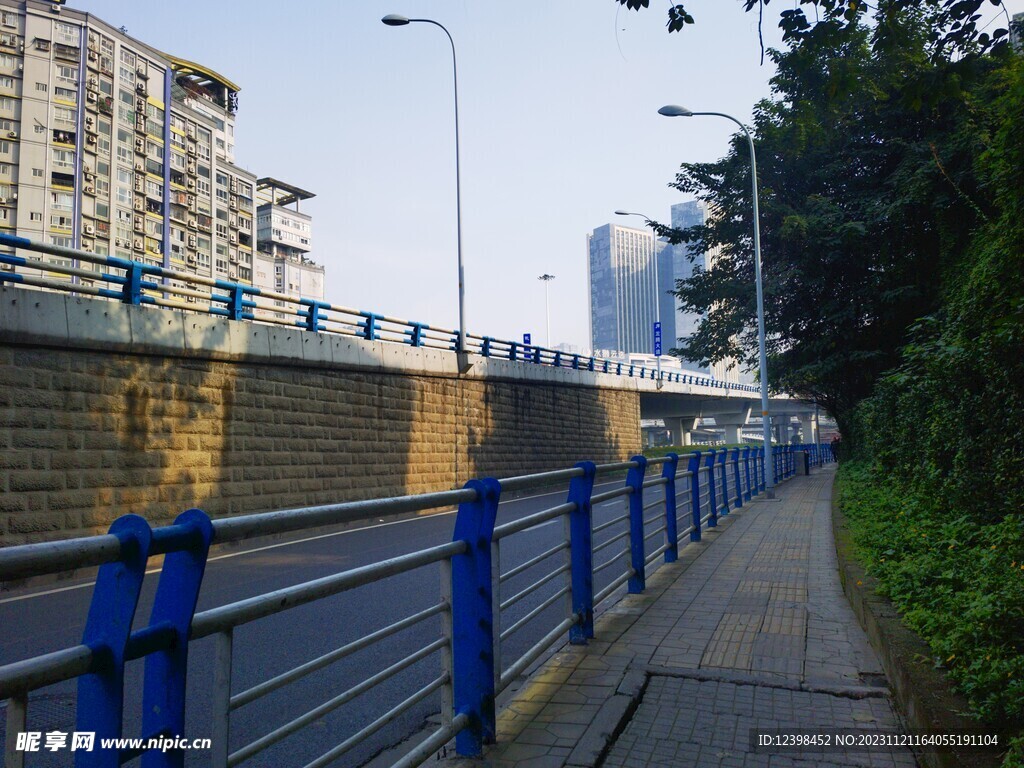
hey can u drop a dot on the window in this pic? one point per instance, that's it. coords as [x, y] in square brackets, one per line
[35, 216]
[6, 125]
[63, 158]
[65, 33]
[8, 19]
[102, 210]
[127, 75]
[61, 201]
[124, 196]
[65, 114]
[107, 86]
[67, 94]
[6, 82]
[60, 222]
[66, 74]
[7, 61]
[203, 186]
[177, 160]
[60, 240]
[42, 87]
[203, 152]
[6, 104]
[154, 189]
[37, 173]
[5, 147]
[127, 57]
[39, 128]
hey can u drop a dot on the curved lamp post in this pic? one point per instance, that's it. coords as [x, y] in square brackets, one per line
[657, 297]
[395, 20]
[674, 110]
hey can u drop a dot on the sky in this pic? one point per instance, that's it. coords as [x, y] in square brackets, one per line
[558, 127]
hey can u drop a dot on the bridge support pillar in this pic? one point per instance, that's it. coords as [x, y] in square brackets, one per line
[808, 428]
[682, 429]
[733, 423]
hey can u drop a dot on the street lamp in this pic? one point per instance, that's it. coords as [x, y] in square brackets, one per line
[674, 110]
[657, 295]
[547, 307]
[395, 20]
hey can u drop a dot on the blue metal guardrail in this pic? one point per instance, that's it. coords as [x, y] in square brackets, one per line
[698, 489]
[139, 283]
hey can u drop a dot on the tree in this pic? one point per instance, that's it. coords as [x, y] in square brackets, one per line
[953, 23]
[864, 164]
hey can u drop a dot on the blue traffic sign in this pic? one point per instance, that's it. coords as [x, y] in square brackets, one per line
[657, 339]
[527, 339]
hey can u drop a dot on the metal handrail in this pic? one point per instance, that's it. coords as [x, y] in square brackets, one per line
[148, 285]
[679, 519]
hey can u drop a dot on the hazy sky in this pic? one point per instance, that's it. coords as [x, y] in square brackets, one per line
[558, 108]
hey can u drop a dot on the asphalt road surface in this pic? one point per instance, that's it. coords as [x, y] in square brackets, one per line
[47, 619]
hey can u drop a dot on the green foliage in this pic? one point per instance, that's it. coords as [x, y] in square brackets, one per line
[952, 24]
[958, 584]
[868, 196]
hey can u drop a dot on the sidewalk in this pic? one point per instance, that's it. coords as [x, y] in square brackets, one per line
[749, 629]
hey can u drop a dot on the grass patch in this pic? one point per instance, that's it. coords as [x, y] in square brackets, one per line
[958, 584]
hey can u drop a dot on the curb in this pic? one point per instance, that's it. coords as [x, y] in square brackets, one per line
[924, 694]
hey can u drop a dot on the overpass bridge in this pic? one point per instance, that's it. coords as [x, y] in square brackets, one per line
[127, 387]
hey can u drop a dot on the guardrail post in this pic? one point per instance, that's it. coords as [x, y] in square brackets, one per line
[107, 629]
[668, 471]
[132, 291]
[473, 618]
[485, 347]
[693, 466]
[712, 495]
[512, 351]
[370, 327]
[557, 363]
[163, 697]
[416, 334]
[751, 489]
[764, 476]
[581, 552]
[722, 458]
[635, 480]
[736, 474]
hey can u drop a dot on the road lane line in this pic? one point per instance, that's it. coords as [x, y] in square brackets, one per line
[229, 555]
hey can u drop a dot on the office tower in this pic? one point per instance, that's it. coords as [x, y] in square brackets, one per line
[622, 269]
[284, 239]
[114, 147]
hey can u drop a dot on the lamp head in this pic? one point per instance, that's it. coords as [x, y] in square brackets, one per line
[395, 20]
[674, 110]
[623, 213]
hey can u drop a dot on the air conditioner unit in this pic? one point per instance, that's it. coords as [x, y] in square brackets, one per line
[117, 242]
[89, 121]
[140, 145]
[233, 205]
[140, 184]
[233, 275]
[90, 229]
[3, 200]
[93, 56]
[90, 190]
[90, 97]
[191, 184]
[191, 259]
[12, 134]
[87, 245]
[191, 241]
[233, 259]
[140, 87]
[139, 224]
[138, 244]
[191, 166]
[90, 139]
[141, 72]
[191, 149]
[233, 239]
[141, 167]
[192, 223]
[139, 205]
[190, 131]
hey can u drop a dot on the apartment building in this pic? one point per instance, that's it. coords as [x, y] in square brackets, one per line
[114, 147]
[284, 239]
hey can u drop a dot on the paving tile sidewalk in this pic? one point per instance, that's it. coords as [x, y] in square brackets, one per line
[748, 630]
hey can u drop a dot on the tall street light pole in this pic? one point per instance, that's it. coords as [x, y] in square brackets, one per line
[674, 110]
[395, 20]
[657, 296]
[547, 307]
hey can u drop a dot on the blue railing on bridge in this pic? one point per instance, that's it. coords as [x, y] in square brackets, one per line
[145, 284]
[699, 488]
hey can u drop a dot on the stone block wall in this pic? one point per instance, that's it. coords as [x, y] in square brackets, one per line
[89, 434]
